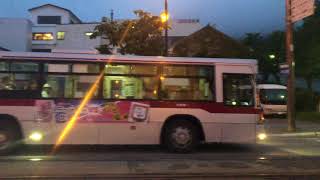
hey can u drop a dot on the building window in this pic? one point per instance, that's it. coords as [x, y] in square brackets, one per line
[41, 50]
[88, 34]
[49, 19]
[60, 35]
[42, 36]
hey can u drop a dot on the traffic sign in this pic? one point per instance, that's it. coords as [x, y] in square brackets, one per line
[301, 9]
[284, 68]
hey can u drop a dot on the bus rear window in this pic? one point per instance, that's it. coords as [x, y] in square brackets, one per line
[238, 90]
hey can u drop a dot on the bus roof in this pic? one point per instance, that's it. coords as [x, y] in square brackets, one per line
[120, 58]
[271, 86]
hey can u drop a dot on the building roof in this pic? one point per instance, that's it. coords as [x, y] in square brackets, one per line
[3, 49]
[209, 42]
[184, 27]
[45, 5]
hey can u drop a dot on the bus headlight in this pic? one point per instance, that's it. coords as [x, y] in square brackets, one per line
[36, 136]
[262, 136]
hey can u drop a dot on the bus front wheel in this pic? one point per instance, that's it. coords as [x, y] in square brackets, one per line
[8, 139]
[181, 136]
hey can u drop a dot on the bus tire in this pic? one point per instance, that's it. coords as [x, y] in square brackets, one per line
[181, 136]
[9, 138]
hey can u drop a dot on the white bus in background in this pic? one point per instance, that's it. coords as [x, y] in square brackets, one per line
[273, 99]
[178, 102]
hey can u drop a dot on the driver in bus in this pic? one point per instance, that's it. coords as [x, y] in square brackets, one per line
[46, 91]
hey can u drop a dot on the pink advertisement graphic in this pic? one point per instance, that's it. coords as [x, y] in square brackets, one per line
[103, 112]
[44, 110]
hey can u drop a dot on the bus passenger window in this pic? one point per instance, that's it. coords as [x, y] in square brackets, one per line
[17, 81]
[6, 83]
[123, 87]
[68, 86]
[196, 89]
[32, 85]
[238, 90]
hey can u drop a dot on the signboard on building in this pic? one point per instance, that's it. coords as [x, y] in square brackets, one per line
[301, 9]
[284, 68]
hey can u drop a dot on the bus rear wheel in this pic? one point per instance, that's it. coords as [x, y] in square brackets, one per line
[181, 137]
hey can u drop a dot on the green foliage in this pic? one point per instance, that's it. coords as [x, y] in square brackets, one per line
[307, 48]
[141, 36]
[306, 100]
[308, 116]
[262, 47]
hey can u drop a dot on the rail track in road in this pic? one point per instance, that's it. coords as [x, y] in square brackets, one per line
[173, 177]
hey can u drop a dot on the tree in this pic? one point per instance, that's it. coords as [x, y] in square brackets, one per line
[268, 50]
[307, 50]
[141, 36]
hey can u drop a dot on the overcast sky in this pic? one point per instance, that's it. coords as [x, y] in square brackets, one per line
[234, 17]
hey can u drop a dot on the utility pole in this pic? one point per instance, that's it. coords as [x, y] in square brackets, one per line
[166, 28]
[111, 15]
[291, 63]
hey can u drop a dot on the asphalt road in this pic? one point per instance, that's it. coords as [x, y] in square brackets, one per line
[282, 156]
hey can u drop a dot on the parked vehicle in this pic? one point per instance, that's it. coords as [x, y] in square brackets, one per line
[273, 99]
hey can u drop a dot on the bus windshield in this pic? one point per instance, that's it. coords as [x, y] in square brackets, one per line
[273, 96]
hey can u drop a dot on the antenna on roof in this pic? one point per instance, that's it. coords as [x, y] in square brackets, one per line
[111, 15]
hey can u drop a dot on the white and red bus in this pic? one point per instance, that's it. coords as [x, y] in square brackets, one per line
[178, 102]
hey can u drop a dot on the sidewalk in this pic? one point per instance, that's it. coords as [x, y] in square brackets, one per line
[280, 126]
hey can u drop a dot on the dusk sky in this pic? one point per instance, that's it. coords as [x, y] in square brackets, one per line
[234, 17]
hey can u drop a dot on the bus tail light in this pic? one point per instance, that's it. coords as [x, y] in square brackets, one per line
[261, 119]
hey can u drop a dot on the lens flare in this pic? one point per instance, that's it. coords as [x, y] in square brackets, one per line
[67, 129]
[75, 116]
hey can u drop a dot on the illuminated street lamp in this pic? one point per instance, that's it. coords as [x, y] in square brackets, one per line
[165, 18]
[272, 56]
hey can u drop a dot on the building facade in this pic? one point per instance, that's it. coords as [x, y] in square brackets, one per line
[15, 34]
[52, 28]
[56, 28]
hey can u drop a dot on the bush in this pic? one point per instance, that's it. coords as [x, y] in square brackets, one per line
[308, 116]
[306, 101]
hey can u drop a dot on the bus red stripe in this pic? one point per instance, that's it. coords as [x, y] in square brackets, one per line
[207, 106]
[211, 107]
[17, 102]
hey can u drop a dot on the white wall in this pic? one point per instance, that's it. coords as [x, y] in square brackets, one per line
[50, 11]
[15, 34]
[75, 37]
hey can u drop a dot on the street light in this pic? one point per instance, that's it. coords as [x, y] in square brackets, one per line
[272, 56]
[165, 18]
